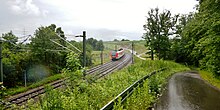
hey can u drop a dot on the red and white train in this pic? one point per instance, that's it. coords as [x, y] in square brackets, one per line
[117, 54]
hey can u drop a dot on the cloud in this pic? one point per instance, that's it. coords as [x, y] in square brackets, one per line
[101, 34]
[24, 7]
[102, 19]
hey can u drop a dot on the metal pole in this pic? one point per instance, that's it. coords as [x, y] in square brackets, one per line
[25, 78]
[101, 57]
[84, 48]
[132, 46]
[1, 67]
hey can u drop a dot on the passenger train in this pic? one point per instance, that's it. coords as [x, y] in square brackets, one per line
[117, 54]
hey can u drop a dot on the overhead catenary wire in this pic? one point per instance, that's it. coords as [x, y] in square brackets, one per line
[68, 42]
[26, 39]
[10, 42]
[61, 45]
[57, 50]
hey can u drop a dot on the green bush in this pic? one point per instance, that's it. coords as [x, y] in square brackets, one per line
[80, 94]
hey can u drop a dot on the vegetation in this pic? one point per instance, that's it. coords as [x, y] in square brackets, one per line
[96, 57]
[145, 96]
[20, 89]
[96, 45]
[192, 39]
[211, 78]
[138, 45]
[42, 57]
[158, 28]
[86, 95]
[196, 37]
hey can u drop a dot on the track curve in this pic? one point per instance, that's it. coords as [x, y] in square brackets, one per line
[98, 71]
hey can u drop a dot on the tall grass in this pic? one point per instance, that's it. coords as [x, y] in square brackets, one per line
[211, 78]
[79, 94]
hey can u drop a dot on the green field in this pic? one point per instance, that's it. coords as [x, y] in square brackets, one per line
[96, 57]
[138, 45]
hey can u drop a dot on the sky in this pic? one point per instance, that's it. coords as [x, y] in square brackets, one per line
[101, 19]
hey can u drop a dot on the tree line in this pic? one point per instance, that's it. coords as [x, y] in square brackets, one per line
[41, 56]
[192, 39]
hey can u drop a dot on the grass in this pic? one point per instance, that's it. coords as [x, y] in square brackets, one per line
[144, 97]
[138, 45]
[13, 91]
[96, 58]
[210, 78]
[93, 96]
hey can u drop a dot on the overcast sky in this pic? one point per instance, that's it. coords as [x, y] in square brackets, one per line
[102, 19]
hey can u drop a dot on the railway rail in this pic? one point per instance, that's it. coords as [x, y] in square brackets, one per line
[98, 72]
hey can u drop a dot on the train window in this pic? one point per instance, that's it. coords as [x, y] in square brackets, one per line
[120, 49]
[113, 53]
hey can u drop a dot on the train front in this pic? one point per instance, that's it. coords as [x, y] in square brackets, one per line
[113, 55]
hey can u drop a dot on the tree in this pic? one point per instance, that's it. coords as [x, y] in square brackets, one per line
[9, 40]
[100, 45]
[43, 49]
[115, 40]
[13, 60]
[96, 45]
[124, 40]
[177, 49]
[158, 27]
[202, 35]
[198, 37]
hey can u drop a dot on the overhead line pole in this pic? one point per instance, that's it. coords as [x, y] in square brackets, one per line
[132, 45]
[1, 66]
[25, 73]
[84, 48]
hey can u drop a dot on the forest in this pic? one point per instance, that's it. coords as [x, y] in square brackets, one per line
[192, 39]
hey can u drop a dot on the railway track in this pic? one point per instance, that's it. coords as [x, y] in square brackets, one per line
[98, 72]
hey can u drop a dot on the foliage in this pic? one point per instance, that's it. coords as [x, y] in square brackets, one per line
[158, 27]
[43, 49]
[79, 94]
[20, 89]
[96, 57]
[13, 61]
[146, 95]
[72, 63]
[200, 37]
[211, 78]
[124, 40]
[39, 58]
[141, 99]
[96, 45]
[10, 39]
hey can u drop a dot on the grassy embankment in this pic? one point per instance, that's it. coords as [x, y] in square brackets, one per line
[16, 90]
[20, 89]
[96, 57]
[210, 78]
[94, 96]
